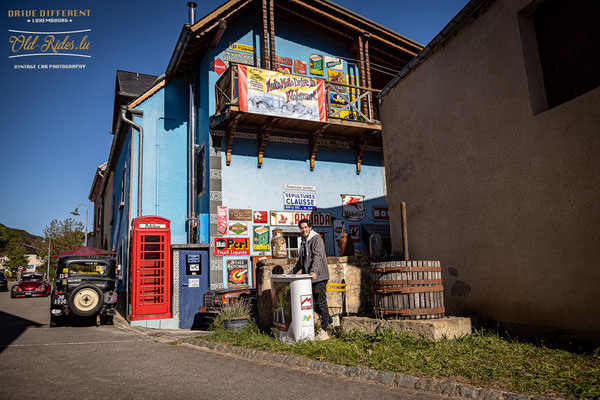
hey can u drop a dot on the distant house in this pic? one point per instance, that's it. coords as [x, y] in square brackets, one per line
[33, 261]
[492, 137]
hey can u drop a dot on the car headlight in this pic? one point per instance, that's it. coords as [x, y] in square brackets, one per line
[42, 288]
[16, 289]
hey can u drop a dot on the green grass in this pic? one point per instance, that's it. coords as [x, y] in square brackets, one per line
[480, 359]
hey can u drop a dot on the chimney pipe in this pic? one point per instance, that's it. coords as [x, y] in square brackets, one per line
[192, 7]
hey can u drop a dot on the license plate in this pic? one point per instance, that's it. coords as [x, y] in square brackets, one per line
[60, 299]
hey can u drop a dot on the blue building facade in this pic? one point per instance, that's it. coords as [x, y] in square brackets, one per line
[220, 173]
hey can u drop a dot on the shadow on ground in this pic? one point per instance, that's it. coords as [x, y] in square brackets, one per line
[12, 328]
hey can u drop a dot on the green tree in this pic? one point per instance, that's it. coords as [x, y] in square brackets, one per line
[16, 257]
[61, 236]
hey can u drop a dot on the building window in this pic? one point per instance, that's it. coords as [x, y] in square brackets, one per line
[292, 241]
[561, 42]
[122, 203]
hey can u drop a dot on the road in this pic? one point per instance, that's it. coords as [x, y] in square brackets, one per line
[89, 362]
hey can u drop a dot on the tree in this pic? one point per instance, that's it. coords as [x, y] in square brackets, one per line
[61, 236]
[16, 257]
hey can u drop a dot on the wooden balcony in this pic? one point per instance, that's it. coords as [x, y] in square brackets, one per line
[352, 122]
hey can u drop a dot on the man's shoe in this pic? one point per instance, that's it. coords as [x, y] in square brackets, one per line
[322, 335]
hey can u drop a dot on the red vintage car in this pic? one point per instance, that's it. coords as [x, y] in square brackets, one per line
[31, 285]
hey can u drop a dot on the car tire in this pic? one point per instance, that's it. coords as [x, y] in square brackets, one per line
[86, 300]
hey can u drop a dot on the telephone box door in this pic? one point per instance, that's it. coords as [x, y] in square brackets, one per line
[151, 269]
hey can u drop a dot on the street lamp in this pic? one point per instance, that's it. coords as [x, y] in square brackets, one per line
[76, 212]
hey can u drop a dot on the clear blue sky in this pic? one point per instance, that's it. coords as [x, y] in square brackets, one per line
[56, 123]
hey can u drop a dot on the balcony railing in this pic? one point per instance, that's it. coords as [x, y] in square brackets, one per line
[354, 103]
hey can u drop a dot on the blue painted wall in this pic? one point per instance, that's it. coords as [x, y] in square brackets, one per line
[165, 175]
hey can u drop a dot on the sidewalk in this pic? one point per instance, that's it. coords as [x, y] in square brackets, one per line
[431, 385]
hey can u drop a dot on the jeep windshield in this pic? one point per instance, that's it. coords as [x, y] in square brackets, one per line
[87, 268]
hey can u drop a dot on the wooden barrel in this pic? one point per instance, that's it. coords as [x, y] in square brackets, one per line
[408, 289]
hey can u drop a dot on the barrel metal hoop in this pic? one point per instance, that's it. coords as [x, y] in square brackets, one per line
[409, 282]
[406, 269]
[410, 289]
[415, 311]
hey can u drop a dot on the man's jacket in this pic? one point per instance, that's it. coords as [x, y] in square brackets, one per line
[312, 257]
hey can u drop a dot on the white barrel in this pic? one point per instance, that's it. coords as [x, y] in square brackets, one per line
[292, 302]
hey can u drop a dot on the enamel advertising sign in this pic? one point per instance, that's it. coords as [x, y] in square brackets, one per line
[237, 272]
[231, 246]
[283, 218]
[260, 217]
[238, 228]
[353, 207]
[282, 95]
[299, 201]
[222, 220]
[260, 238]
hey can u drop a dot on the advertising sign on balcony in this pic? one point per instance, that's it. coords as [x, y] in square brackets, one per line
[281, 95]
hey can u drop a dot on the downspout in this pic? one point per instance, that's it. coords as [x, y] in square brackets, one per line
[124, 110]
[192, 157]
[192, 142]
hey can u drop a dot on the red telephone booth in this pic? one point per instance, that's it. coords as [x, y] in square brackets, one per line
[151, 268]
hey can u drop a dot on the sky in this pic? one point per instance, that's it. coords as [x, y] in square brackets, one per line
[56, 122]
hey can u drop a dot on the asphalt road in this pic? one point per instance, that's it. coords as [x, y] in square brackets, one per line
[89, 362]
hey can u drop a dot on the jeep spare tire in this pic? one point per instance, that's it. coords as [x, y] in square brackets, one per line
[85, 300]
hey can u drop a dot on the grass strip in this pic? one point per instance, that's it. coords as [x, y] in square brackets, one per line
[482, 359]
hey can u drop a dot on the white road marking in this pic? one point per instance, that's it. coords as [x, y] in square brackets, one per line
[72, 343]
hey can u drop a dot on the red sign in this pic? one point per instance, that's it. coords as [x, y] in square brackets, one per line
[222, 221]
[20, 268]
[289, 218]
[230, 246]
[260, 217]
[283, 60]
[300, 67]
[306, 302]
[219, 66]
[283, 68]
[381, 213]
[354, 231]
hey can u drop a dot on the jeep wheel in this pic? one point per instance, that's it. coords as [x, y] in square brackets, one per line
[86, 300]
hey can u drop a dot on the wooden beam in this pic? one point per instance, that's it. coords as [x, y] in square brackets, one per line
[360, 146]
[356, 28]
[368, 71]
[313, 143]
[266, 60]
[272, 33]
[218, 34]
[263, 135]
[229, 135]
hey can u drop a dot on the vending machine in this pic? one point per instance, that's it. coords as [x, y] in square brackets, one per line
[150, 269]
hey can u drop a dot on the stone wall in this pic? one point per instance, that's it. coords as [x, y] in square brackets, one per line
[354, 271]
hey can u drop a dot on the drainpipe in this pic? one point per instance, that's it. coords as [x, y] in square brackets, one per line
[192, 140]
[124, 110]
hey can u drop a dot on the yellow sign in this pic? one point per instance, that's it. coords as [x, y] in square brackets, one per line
[241, 47]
